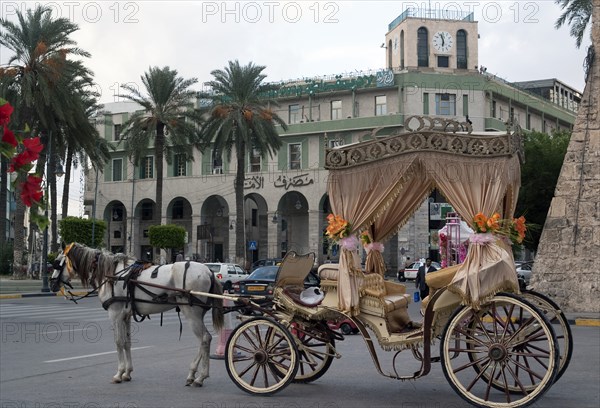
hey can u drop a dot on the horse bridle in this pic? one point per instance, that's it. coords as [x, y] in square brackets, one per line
[59, 266]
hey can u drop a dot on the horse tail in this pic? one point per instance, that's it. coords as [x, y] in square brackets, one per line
[218, 314]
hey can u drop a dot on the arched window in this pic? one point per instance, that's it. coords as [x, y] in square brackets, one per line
[402, 49]
[422, 47]
[389, 56]
[461, 49]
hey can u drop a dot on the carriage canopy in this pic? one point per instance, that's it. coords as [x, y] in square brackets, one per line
[378, 184]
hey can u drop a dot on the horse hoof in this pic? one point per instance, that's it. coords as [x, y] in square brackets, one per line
[116, 380]
[197, 384]
[189, 382]
[126, 378]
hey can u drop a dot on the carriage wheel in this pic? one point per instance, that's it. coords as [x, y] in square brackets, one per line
[261, 356]
[561, 327]
[316, 350]
[560, 324]
[502, 355]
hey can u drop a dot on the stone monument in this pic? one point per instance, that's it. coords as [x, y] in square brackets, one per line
[567, 265]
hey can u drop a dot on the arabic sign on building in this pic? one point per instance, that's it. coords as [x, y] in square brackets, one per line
[282, 181]
[385, 78]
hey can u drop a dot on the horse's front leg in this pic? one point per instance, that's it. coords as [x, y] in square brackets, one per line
[120, 327]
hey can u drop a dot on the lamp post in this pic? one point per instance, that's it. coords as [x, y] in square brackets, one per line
[57, 171]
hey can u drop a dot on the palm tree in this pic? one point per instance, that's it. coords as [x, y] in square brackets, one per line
[41, 46]
[577, 13]
[168, 118]
[240, 119]
[84, 142]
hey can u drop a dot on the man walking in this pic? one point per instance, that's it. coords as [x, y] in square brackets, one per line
[420, 280]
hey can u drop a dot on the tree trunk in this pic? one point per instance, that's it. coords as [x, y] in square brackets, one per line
[159, 145]
[51, 177]
[3, 199]
[66, 185]
[240, 221]
[19, 269]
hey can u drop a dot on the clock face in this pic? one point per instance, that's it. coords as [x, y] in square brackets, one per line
[442, 41]
[395, 45]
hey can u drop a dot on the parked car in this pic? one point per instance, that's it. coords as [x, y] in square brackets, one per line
[227, 273]
[410, 272]
[524, 273]
[346, 326]
[266, 262]
[262, 282]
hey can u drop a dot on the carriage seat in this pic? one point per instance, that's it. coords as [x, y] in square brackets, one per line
[437, 280]
[328, 271]
[442, 277]
[378, 297]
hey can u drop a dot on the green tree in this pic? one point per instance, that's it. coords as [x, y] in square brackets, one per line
[170, 236]
[544, 156]
[75, 229]
[33, 80]
[239, 120]
[168, 119]
[577, 14]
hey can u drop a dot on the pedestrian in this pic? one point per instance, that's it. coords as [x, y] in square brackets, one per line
[179, 257]
[420, 280]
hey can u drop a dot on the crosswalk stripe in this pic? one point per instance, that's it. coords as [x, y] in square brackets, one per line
[92, 355]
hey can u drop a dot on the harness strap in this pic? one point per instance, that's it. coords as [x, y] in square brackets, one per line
[187, 265]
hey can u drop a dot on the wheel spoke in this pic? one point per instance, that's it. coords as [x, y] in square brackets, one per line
[506, 387]
[478, 376]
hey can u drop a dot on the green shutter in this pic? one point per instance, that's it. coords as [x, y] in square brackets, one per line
[425, 103]
[465, 105]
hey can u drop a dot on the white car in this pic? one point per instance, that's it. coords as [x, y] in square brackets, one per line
[227, 273]
[410, 272]
[524, 273]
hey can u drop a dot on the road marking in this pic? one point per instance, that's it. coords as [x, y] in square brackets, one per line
[587, 322]
[92, 355]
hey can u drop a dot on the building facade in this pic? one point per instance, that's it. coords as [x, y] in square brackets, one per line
[432, 70]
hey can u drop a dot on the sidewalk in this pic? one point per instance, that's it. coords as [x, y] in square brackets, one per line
[21, 288]
[16, 289]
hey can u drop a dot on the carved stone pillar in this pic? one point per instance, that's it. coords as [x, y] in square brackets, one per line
[566, 266]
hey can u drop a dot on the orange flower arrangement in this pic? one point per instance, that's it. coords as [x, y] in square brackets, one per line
[338, 227]
[514, 229]
[519, 229]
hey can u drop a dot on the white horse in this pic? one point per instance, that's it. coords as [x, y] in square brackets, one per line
[126, 287]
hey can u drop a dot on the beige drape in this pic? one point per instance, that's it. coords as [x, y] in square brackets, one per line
[382, 195]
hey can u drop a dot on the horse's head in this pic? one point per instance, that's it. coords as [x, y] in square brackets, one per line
[60, 276]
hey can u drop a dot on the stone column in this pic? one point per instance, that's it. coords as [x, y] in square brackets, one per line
[566, 265]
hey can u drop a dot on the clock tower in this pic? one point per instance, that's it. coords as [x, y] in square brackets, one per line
[441, 39]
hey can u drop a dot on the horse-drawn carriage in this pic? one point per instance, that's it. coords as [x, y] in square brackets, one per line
[498, 346]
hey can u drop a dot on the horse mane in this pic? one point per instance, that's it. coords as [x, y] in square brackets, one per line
[94, 264]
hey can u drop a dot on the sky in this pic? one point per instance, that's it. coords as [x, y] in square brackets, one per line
[296, 39]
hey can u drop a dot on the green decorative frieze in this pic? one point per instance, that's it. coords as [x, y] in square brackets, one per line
[314, 86]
